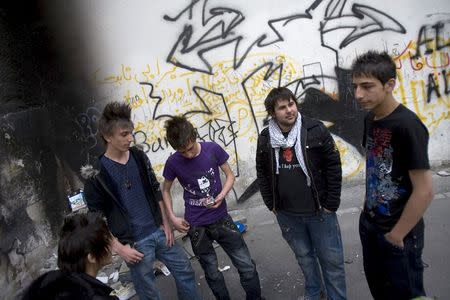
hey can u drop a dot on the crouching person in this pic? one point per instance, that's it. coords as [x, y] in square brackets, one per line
[84, 248]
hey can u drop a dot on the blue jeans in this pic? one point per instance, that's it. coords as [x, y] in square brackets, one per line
[225, 233]
[154, 246]
[317, 245]
[392, 272]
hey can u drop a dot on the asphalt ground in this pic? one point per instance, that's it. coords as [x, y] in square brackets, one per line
[279, 272]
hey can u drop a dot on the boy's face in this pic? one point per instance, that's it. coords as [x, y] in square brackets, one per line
[285, 113]
[370, 92]
[191, 150]
[120, 139]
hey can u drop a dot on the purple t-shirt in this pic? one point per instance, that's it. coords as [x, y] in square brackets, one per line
[200, 179]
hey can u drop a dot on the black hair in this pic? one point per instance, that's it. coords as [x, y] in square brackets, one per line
[115, 115]
[180, 132]
[374, 64]
[80, 235]
[276, 94]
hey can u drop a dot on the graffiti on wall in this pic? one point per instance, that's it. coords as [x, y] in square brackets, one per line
[224, 98]
[427, 58]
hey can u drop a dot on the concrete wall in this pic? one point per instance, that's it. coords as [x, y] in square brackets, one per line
[213, 61]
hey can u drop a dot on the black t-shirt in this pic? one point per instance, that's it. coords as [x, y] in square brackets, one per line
[294, 193]
[394, 145]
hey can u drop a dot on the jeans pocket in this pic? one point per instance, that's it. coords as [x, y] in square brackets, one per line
[227, 223]
[393, 249]
[199, 240]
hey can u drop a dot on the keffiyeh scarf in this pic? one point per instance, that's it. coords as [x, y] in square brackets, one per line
[277, 140]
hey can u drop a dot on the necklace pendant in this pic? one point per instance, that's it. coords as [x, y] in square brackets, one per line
[128, 184]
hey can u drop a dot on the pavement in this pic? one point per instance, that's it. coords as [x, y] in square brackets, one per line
[279, 272]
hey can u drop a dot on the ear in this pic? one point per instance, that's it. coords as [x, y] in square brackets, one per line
[91, 259]
[107, 138]
[390, 85]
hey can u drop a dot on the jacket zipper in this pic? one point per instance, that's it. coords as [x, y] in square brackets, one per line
[310, 174]
[273, 175]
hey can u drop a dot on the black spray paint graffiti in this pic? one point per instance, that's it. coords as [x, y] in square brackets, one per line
[432, 39]
[218, 25]
[433, 87]
[218, 29]
[86, 133]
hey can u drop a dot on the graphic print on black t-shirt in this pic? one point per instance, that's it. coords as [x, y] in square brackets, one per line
[288, 154]
[294, 193]
[394, 145]
[381, 186]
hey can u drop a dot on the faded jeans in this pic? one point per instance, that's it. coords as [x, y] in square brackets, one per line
[317, 245]
[154, 247]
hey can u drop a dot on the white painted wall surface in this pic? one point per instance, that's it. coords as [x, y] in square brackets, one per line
[201, 58]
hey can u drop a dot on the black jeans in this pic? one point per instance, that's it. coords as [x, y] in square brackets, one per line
[392, 272]
[224, 231]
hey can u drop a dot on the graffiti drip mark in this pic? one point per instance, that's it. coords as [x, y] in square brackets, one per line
[220, 33]
[363, 21]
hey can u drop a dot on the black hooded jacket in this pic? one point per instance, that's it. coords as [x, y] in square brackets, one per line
[322, 160]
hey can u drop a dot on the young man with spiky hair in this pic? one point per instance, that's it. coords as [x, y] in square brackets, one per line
[123, 186]
[398, 183]
[196, 166]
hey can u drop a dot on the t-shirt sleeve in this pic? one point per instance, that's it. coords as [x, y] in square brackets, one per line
[168, 172]
[221, 155]
[416, 145]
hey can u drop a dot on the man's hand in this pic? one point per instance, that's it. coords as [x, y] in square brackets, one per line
[169, 235]
[394, 240]
[217, 201]
[180, 224]
[130, 255]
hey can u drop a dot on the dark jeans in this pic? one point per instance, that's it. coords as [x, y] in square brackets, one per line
[229, 238]
[392, 272]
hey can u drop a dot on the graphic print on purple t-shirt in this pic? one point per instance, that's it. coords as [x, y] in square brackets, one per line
[200, 179]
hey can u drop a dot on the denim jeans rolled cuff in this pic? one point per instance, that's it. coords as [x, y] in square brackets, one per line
[316, 242]
[226, 234]
[142, 273]
[392, 272]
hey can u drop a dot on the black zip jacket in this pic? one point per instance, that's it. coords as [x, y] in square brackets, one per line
[100, 194]
[61, 285]
[322, 162]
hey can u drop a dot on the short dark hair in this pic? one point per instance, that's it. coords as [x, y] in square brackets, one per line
[115, 114]
[375, 64]
[276, 94]
[179, 132]
[80, 235]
